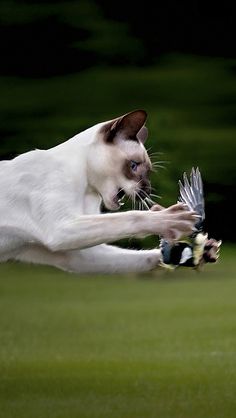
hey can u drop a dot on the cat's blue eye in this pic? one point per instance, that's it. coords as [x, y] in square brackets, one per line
[133, 165]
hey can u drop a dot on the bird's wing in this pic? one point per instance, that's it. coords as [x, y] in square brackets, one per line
[191, 193]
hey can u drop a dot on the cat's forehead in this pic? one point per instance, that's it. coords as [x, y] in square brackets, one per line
[134, 150]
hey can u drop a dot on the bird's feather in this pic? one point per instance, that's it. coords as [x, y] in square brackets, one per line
[191, 193]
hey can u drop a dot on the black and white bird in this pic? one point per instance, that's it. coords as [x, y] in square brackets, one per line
[198, 248]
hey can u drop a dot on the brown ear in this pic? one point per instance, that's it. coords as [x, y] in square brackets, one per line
[128, 126]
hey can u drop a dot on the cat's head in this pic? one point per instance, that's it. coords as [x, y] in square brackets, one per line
[119, 163]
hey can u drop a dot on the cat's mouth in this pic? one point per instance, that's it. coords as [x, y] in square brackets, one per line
[120, 195]
[141, 197]
[118, 199]
[137, 196]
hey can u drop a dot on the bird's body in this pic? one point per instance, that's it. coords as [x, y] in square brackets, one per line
[197, 248]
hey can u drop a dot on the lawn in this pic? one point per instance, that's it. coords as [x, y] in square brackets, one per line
[160, 345]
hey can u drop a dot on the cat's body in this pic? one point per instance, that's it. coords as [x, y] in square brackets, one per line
[50, 202]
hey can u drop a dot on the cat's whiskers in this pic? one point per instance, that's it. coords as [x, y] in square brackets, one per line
[158, 164]
[155, 195]
[134, 201]
[148, 199]
[143, 202]
[155, 161]
[155, 153]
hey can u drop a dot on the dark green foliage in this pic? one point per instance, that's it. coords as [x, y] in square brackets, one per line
[48, 38]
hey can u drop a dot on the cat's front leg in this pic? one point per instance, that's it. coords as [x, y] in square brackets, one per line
[99, 259]
[110, 259]
[91, 230]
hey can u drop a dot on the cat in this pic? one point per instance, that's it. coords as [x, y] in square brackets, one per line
[50, 206]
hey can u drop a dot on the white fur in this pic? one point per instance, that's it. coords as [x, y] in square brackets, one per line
[50, 208]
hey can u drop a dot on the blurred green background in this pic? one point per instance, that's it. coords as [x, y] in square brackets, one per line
[68, 65]
[154, 345]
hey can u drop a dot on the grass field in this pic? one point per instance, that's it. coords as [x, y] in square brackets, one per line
[163, 345]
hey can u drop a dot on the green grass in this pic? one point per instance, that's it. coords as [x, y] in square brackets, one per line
[160, 345]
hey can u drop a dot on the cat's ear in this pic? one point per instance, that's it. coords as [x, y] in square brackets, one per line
[142, 134]
[129, 126]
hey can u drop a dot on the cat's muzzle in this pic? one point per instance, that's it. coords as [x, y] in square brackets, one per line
[145, 188]
[119, 197]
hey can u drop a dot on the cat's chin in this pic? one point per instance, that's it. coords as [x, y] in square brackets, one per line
[114, 203]
[111, 206]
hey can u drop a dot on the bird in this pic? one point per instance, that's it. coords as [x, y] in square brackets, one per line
[197, 249]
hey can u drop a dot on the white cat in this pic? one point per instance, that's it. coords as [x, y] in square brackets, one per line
[50, 202]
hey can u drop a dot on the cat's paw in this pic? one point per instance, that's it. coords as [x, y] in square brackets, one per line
[211, 251]
[173, 222]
